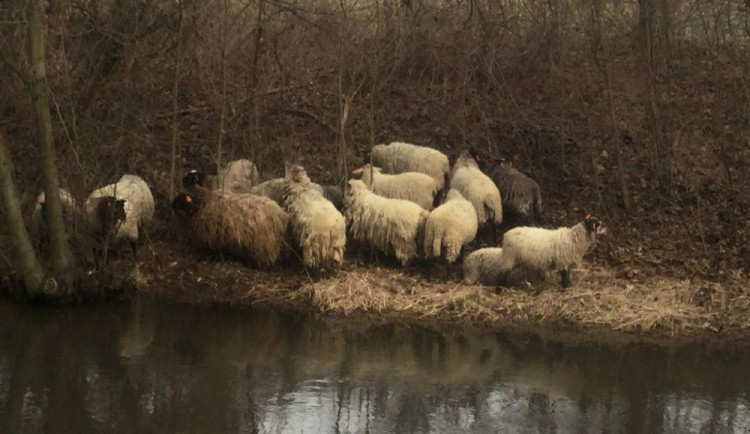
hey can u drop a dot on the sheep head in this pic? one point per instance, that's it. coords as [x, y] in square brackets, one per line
[354, 185]
[295, 173]
[476, 154]
[365, 172]
[593, 225]
[111, 212]
[193, 178]
[185, 204]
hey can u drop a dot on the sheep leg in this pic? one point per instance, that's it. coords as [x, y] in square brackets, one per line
[146, 239]
[565, 277]
[446, 266]
[478, 238]
[134, 247]
[502, 281]
[432, 274]
[451, 271]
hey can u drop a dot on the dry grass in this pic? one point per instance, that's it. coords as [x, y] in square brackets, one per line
[659, 309]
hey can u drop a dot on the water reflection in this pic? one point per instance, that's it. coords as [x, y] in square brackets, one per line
[161, 368]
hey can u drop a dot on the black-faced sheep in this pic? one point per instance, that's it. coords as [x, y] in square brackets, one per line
[237, 177]
[38, 229]
[394, 226]
[317, 226]
[125, 208]
[478, 188]
[537, 250]
[245, 226]
[522, 197]
[399, 157]
[414, 186]
[449, 228]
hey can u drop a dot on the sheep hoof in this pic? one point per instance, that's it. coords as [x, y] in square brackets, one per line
[499, 289]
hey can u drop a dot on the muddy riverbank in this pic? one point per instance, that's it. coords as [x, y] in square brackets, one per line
[604, 304]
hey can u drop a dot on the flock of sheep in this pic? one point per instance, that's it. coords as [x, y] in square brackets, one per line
[407, 203]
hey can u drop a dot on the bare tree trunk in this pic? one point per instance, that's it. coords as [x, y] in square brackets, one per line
[344, 101]
[374, 75]
[31, 269]
[61, 256]
[656, 121]
[175, 128]
[223, 109]
[616, 142]
[254, 115]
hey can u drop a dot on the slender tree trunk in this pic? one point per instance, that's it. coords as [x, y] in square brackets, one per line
[175, 127]
[254, 115]
[31, 269]
[374, 75]
[223, 109]
[343, 99]
[616, 142]
[61, 256]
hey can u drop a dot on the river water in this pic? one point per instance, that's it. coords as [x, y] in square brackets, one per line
[146, 368]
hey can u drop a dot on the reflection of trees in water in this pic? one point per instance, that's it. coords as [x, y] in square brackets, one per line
[155, 368]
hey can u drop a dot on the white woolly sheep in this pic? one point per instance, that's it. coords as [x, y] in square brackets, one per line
[477, 188]
[483, 267]
[450, 227]
[394, 226]
[248, 227]
[274, 189]
[414, 186]
[237, 177]
[522, 197]
[129, 201]
[399, 157]
[38, 228]
[538, 250]
[317, 226]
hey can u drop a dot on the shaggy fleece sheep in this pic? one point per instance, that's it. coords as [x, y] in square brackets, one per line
[239, 176]
[399, 157]
[274, 189]
[450, 227]
[317, 226]
[247, 226]
[477, 188]
[394, 226]
[538, 250]
[482, 266]
[521, 195]
[133, 195]
[413, 186]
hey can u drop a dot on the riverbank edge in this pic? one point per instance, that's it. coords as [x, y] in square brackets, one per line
[600, 307]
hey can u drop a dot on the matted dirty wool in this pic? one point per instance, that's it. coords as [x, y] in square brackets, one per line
[246, 226]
